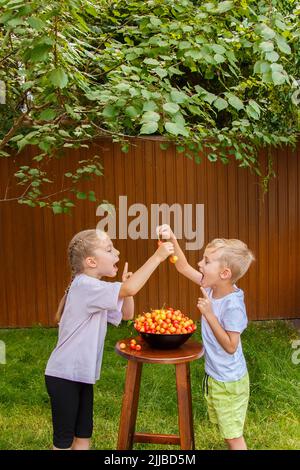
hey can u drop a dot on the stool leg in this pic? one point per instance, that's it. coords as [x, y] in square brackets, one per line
[129, 405]
[185, 413]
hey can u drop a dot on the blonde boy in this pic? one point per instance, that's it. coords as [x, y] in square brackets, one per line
[223, 320]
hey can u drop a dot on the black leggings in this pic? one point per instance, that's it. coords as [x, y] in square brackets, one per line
[72, 410]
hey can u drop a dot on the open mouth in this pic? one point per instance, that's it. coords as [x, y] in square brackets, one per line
[115, 266]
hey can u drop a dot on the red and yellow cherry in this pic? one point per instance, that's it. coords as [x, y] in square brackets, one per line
[164, 321]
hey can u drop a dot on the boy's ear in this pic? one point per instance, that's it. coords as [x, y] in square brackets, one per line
[226, 274]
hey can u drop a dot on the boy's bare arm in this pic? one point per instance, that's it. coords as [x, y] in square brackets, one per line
[229, 340]
[181, 264]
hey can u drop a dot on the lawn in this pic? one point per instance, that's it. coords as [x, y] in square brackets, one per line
[273, 420]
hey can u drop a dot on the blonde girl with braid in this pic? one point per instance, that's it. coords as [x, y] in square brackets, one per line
[88, 305]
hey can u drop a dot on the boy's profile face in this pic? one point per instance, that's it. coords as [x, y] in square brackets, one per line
[105, 258]
[211, 268]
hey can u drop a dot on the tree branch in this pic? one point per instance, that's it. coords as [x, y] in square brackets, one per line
[12, 130]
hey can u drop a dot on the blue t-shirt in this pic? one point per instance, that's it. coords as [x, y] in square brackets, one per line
[230, 310]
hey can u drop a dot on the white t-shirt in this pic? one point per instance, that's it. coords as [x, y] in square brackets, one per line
[230, 311]
[90, 304]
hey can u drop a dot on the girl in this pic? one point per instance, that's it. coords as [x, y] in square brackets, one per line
[88, 304]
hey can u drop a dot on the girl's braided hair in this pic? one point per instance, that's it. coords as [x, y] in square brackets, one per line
[82, 245]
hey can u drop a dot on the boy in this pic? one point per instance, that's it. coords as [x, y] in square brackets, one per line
[223, 320]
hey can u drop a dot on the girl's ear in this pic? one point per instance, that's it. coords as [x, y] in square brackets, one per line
[90, 262]
[226, 274]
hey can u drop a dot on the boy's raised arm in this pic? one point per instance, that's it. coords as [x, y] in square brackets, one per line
[182, 265]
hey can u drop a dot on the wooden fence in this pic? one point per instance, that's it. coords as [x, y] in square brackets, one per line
[34, 270]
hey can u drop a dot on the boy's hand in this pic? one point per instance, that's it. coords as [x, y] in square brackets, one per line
[204, 304]
[165, 250]
[164, 231]
[126, 275]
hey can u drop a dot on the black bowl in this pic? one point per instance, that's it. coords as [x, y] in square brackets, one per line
[165, 341]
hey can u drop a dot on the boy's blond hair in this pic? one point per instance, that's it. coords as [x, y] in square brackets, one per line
[234, 254]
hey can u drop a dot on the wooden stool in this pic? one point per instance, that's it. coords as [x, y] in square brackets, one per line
[181, 357]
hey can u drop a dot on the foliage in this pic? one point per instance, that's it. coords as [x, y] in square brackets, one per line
[219, 77]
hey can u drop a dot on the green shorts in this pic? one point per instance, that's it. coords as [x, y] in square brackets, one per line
[227, 404]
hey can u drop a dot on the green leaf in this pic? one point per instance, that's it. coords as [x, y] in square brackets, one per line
[47, 115]
[81, 195]
[176, 129]
[218, 49]
[150, 61]
[266, 46]
[255, 106]
[149, 106]
[58, 77]
[266, 32]
[132, 112]
[224, 6]
[283, 45]
[278, 78]
[164, 146]
[171, 108]
[150, 116]
[92, 196]
[261, 66]
[125, 148]
[220, 104]
[219, 58]
[57, 209]
[251, 112]
[234, 101]
[178, 97]
[155, 21]
[36, 23]
[209, 97]
[149, 127]
[272, 56]
[39, 53]
[184, 45]
[212, 157]
[162, 73]
[110, 111]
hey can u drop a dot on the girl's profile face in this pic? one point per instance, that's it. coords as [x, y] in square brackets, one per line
[105, 258]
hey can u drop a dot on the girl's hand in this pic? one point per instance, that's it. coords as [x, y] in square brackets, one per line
[204, 304]
[165, 250]
[126, 275]
[164, 231]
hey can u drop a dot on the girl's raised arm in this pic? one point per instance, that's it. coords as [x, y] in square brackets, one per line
[141, 276]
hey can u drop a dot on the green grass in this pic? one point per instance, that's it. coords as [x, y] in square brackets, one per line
[273, 419]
